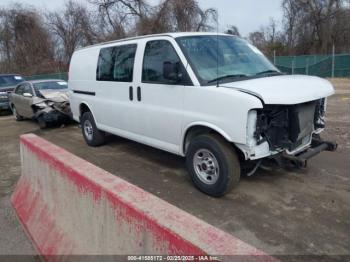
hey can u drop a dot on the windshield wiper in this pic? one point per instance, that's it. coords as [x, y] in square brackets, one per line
[226, 76]
[269, 72]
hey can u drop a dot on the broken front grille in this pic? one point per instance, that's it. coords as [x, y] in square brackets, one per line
[289, 126]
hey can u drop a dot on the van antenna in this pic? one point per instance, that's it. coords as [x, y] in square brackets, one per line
[217, 48]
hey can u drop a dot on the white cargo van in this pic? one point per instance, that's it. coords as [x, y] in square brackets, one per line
[214, 99]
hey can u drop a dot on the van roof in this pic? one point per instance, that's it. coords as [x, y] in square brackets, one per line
[173, 35]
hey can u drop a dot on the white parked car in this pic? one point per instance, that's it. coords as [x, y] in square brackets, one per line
[214, 99]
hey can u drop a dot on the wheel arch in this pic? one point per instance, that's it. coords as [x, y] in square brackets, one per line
[83, 108]
[200, 128]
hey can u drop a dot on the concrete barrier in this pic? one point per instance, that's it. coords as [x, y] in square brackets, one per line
[69, 206]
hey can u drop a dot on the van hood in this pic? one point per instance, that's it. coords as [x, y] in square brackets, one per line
[285, 89]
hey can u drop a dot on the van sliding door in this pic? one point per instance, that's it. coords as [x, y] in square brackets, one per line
[115, 73]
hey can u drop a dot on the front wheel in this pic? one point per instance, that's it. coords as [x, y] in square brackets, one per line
[213, 165]
[15, 114]
[93, 136]
[41, 121]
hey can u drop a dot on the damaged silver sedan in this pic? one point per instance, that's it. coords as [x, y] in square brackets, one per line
[43, 100]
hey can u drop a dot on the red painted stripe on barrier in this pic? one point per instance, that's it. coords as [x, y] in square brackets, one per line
[21, 202]
[167, 222]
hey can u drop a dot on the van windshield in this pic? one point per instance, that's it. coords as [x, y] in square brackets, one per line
[224, 58]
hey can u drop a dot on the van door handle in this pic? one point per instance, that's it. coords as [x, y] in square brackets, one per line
[138, 93]
[131, 93]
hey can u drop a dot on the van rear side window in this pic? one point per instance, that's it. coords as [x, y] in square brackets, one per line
[116, 63]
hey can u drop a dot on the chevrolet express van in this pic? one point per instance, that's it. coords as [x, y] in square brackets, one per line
[212, 98]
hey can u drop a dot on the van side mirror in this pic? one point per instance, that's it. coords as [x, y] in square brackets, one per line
[171, 71]
[27, 95]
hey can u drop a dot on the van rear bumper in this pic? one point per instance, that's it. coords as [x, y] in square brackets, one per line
[317, 146]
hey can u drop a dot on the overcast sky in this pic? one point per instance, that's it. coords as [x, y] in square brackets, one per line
[247, 15]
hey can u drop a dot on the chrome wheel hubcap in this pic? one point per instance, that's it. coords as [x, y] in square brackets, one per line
[206, 166]
[88, 130]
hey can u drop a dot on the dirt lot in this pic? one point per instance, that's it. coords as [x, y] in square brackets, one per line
[341, 83]
[295, 212]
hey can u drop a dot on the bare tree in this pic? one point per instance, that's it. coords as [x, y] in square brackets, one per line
[314, 26]
[268, 39]
[119, 17]
[34, 43]
[71, 28]
[233, 30]
[25, 44]
[258, 39]
[137, 17]
[291, 12]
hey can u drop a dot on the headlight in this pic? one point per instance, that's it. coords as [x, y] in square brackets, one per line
[320, 112]
[251, 127]
[3, 95]
[42, 105]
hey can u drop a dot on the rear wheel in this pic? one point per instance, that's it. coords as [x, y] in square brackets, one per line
[93, 136]
[213, 165]
[15, 114]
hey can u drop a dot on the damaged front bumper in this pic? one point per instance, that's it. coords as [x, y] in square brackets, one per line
[52, 113]
[4, 101]
[286, 134]
[316, 147]
[4, 105]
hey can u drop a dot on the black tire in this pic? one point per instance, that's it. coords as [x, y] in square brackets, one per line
[228, 171]
[15, 113]
[41, 121]
[96, 137]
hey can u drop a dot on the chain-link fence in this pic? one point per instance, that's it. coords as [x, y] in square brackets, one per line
[62, 75]
[316, 65]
